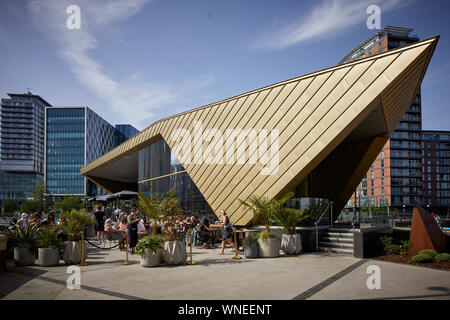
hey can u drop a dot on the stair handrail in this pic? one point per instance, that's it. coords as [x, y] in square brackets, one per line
[317, 224]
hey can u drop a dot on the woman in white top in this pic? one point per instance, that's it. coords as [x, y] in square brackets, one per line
[23, 221]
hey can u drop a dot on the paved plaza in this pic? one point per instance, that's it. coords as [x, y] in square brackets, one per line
[306, 276]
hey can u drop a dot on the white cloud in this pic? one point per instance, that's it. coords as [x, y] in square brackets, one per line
[132, 99]
[324, 20]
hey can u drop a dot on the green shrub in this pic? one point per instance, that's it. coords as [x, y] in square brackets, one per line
[427, 252]
[392, 246]
[267, 235]
[249, 240]
[442, 257]
[152, 243]
[421, 258]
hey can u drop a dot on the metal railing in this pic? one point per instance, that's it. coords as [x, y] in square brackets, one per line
[330, 205]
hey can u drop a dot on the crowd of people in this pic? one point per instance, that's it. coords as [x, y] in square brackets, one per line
[115, 223]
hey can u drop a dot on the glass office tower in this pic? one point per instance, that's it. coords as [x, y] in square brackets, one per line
[160, 170]
[22, 145]
[124, 132]
[75, 136]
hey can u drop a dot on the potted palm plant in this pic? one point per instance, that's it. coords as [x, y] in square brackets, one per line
[149, 249]
[289, 218]
[24, 241]
[250, 244]
[158, 206]
[49, 246]
[75, 221]
[265, 211]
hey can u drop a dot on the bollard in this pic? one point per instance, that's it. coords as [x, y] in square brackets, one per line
[82, 264]
[190, 250]
[236, 247]
[127, 263]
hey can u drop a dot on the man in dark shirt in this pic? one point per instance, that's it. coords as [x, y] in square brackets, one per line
[99, 217]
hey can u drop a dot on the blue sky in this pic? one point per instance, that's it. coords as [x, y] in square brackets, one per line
[137, 61]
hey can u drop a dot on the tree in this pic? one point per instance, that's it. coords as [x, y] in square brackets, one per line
[42, 194]
[68, 203]
[158, 206]
[266, 211]
[30, 206]
[10, 205]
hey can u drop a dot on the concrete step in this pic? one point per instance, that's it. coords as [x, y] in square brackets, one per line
[342, 230]
[338, 239]
[337, 250]
[338, 235]
[336, 244]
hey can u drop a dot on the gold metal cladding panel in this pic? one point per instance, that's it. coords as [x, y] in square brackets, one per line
[257, 109]
[311, 145]
[311, 90]
[132, 142]
[320, 144]
[331, 103]
[407, 83]
[298, 118]
[262, 121]
[405, 96]
[227, 197]
[202, 172]
[302, 126]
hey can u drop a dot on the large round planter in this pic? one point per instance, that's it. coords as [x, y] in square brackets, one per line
[150, 260]
[48, 257]
[23, 257]
[251, 251]
[175, 252]
[291, 243]
[72, 252]
[269, 248]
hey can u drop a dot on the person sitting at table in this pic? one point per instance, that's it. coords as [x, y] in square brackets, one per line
[114, 233]
[205, 232]
[50, 220]
[123, 225]
[141, 230]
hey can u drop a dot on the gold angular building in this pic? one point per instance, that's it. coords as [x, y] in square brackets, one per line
[315, 135]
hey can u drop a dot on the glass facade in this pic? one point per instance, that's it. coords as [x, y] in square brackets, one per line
[124, 132]
[65, 150]
[160, 170]
[74, 137]
[22, 145]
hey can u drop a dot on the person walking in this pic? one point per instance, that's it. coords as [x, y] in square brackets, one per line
[133, 221]
[227, 231]
[99, 217]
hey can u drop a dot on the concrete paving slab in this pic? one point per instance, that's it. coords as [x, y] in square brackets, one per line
[306, 276]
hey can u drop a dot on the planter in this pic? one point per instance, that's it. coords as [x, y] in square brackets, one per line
[251, 251]
[23, 257]
[269, 248]
[175, 252]
[291, 243]
[72, 252]
[150, 260]
[48, 257]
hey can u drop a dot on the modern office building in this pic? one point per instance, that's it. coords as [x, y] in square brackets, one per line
[436, 170]
[315, 135]
[22, 145]
[124, 132]
[74, 136]
[395, 177]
